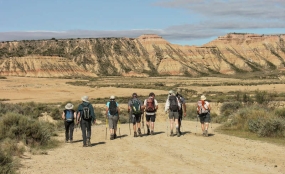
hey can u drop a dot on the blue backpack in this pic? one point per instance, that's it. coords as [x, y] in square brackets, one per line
[69, 115]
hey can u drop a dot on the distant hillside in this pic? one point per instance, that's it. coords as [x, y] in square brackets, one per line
[142, 56]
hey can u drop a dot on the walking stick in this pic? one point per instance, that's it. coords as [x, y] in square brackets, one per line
[181, 125]
[130, 125]
[143, 123]
[119, 128]
[196, 124]
[167, 122]
[106, 128]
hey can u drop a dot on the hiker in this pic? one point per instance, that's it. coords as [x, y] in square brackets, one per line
[151, 106]
[182, 110]
[203, 111]
[112, 113]
[86, 116]
[172, 106]
[135, 108]
[68, 116]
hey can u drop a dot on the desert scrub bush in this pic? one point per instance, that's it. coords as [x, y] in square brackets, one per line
[191, 112]
[7, 165]
[280, 112]
[259, 120]
[230, 107]
[30, 131]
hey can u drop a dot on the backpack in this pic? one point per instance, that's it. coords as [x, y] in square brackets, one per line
[86, 112]
[113, 107]
[136, 107]
[202, 109]
[69, 115]
[173, 103]
[150, 105]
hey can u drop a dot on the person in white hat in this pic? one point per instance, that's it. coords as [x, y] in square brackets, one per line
[203, 111]
[68, 116]
[112, 113]
[86, 116]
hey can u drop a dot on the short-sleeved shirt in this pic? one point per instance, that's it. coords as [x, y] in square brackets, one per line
[108, 104]
[155, 104]
[131, 102]
[84, 104]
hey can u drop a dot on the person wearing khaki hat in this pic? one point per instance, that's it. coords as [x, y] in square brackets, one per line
[86, 116]
[68, 115]
[203, 111]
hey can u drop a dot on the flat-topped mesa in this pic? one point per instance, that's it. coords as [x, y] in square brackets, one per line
[152, 38]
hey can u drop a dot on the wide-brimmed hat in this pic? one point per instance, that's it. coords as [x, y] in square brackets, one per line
[112, 97]
[171, 92]
[69, 106]
[203, 97]
[85, 98]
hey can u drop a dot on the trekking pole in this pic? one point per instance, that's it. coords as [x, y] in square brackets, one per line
[181, 125]
[143, 123]
[167, 122]
[106, 128]
[130, 125]
[196, 125]
[119, 128]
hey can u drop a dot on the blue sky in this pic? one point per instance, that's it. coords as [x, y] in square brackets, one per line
[184, 22]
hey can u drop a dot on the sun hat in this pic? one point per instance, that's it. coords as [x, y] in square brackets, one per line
[85, 98]
[112, 97]
[69, 106]
[203, 97]
[171, 92]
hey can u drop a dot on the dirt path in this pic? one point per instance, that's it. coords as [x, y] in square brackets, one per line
[159, 154]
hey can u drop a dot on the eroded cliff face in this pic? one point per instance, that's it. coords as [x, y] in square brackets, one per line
[142, 56]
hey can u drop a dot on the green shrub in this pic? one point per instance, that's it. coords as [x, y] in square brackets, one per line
[30, 131]
[7, 165]
[280, 112]
[229, 108]
[259, 120]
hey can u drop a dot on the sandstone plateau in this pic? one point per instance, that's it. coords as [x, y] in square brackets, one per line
[147, 55]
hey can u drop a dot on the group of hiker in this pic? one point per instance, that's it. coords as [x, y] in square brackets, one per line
[175, 107]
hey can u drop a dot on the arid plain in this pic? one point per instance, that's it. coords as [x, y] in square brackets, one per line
[190, 153]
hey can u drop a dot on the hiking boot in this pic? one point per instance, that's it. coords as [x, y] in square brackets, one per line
[115, 136]
[112, 137]
[171, 134]
[152, 133]
[206, 133]
[139, 132]
[71, 141]
[135, 134]
[148, 132]
[88, 142]
[177, 132]
[85, 145]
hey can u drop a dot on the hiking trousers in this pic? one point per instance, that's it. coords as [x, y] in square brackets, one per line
[86, 130]
[69, 128]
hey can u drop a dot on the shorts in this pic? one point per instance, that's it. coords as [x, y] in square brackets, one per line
[136, 118]
[150, 117]
[205, 118]
[113, 122]
[173, 115]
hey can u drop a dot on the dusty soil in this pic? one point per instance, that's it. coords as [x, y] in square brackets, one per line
[190, 153]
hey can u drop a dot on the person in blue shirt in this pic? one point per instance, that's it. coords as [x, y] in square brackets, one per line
[112, 113]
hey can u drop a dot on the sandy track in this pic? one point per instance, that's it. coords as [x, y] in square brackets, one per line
[190, 153]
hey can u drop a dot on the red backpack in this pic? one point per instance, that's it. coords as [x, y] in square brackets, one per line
[150, 105]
